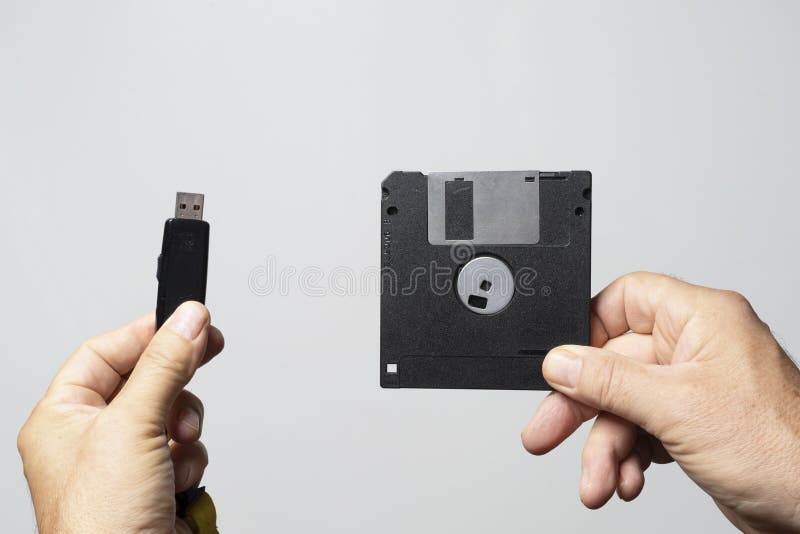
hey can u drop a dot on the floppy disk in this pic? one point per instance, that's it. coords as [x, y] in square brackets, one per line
[482, 273]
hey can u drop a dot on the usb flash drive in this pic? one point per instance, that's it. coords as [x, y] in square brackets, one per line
[181, 274]
[183, 263]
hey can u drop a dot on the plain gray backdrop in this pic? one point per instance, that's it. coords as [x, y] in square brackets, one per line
[287, 115]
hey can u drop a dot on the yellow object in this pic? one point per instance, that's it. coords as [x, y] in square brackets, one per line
[201, 516]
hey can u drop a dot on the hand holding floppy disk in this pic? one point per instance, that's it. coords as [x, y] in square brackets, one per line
[685, 373]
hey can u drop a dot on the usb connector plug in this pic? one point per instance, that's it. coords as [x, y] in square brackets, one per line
[189, 206]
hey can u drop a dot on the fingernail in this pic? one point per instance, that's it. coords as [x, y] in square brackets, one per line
[190, 418]
[562, 368]
[188, 320]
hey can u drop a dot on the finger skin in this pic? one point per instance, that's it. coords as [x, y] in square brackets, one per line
[96, 371]
[185, 421]
[722, 397]
[612, 383]
[216, 342]
[658, 454]
[190, 461]
[559, 416]
[632, 468]
[631, 477]
[611, 439]
[93, 372]
[632, 302]
[167, 365]
[620, 386]
[555, 420]
[609, 442]
[104, 424]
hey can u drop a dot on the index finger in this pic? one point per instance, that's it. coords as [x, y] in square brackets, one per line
[645, 303]
[94, 371]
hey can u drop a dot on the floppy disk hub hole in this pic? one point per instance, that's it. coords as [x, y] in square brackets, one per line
[477, 301]
[486, 285]
[392, 210]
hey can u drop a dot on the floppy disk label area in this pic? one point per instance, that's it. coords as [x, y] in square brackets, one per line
[483, 208]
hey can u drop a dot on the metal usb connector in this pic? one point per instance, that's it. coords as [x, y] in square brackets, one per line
[189, 206]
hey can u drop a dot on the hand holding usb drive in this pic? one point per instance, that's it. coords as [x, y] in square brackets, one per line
[183, 263]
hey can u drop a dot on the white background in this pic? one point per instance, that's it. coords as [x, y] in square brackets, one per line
[287, 115]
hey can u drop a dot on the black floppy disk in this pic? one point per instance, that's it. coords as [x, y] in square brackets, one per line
[482, 273]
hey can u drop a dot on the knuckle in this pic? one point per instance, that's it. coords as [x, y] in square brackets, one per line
[736, 298]
[634, 279]
[167, 361]
[737, 306]
[26, 437]
[91, 344]
[644, 282]
[638, 278]
[23, 439]
[607, 384]
[87, 346]
[736, 302]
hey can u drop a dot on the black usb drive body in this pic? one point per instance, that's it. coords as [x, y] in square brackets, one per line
[183, 263]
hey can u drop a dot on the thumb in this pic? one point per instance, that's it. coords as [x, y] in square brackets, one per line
[166, 365]
[608, 381]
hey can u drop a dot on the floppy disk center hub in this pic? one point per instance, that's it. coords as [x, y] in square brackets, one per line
[485, 285]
